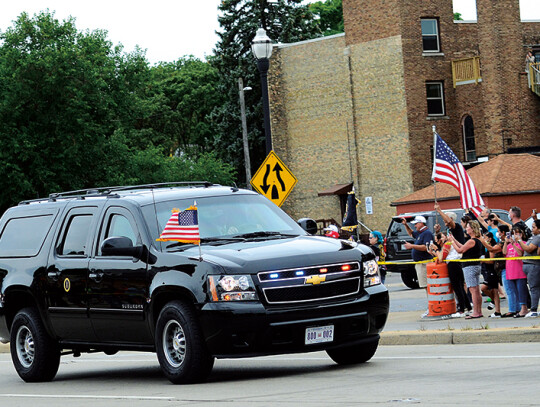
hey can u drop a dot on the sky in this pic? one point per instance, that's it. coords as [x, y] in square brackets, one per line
[167, 29]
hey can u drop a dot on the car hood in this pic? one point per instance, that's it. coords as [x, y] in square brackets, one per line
[275, 254]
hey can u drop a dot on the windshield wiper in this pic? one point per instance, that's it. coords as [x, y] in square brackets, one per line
[264, 234]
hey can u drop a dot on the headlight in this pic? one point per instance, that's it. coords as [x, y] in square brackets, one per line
[232, 288]
[371, 273]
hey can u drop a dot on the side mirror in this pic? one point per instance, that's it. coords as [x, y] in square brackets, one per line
[309, 225]
[120, 246]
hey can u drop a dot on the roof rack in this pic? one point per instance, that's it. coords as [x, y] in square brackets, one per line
[110, 191]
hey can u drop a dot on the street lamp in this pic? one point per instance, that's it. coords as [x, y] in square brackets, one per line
[241, 91]
[262, 50]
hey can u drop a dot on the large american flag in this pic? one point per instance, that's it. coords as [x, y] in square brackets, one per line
[448, 169]
[183, 226]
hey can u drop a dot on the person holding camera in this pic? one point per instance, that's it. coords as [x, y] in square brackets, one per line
[514, 268]
[492, 278]
[455, 270]
[531, 268]
[472, 250]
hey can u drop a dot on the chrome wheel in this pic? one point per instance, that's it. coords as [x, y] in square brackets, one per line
[174, 343]
[180, 345]
[25, 346]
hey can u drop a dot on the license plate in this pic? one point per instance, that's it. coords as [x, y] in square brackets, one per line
[319, 334]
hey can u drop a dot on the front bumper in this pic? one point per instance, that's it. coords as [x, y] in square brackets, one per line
[249, 329]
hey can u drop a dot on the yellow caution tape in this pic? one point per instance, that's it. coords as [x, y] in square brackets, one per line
[462, 260]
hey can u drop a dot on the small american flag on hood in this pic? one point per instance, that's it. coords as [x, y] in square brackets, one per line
[182, 226]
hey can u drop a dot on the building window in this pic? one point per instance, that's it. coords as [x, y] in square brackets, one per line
[468, 139]
[430, 35]
[435, 98]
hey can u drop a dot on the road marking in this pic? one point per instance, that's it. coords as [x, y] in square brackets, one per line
[83, 396]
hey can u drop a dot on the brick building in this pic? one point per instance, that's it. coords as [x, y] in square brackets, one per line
[358, 108]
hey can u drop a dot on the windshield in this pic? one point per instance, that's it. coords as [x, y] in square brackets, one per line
[226, 217]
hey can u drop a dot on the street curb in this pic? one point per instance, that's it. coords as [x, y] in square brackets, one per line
[4, 347]
[472, 336]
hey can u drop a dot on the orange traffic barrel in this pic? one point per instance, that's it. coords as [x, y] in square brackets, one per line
[440, 294]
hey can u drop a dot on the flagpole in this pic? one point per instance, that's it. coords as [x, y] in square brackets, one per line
[434, 128]
[200, 250]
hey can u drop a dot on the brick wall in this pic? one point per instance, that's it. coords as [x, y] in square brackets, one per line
[382, 131]
[311, 108]
[323, 143]
[500, 43]
[368, 20]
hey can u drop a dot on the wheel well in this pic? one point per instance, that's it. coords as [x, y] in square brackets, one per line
[15, 301]
[163, 298]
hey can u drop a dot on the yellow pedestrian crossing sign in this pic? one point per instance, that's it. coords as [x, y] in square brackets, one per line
[273, 179]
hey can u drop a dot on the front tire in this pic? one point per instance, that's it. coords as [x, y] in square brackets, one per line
[181, 350]
[352, 355]
[35, 355]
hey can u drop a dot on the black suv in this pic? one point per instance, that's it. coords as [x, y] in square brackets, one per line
[82, 272]
[397, 235]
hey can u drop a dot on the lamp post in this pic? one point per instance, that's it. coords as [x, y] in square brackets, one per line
[262, 50]
[241, 91]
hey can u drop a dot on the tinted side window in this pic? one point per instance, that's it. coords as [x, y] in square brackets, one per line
[119, 226]
[76, 236]
[24, 236]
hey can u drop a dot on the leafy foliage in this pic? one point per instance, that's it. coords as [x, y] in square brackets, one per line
[457, 17]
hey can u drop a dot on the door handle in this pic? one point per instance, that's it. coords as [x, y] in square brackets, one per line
[97, 276]
[54, 275]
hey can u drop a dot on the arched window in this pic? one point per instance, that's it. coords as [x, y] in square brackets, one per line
[468, 139]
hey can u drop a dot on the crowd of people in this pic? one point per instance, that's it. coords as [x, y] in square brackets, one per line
[472, 241]
[476, 248]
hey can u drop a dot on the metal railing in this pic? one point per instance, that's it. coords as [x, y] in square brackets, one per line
[534, 77]
[466, 70]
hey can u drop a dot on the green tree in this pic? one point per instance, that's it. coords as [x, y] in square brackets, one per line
[180, 97]
[74, 112]
[329, 16]
[285, 21]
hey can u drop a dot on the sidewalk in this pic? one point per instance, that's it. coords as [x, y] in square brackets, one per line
[406, 327]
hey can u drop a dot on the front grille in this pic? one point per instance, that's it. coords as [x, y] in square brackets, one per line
[312, 283]
[309, 292]
[329, 269]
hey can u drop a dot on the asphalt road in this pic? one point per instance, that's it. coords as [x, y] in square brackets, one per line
[488, 374]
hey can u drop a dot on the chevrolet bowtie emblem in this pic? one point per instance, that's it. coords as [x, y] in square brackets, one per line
[315, 279]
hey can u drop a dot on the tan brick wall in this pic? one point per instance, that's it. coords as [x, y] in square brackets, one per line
[314, 129]
[311, 108]
[381, 127]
